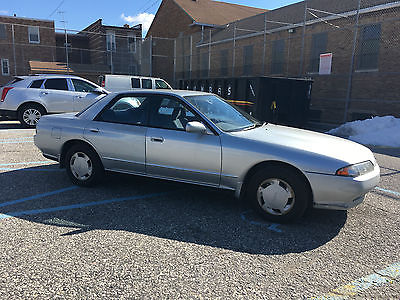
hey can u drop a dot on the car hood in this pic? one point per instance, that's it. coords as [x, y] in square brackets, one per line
[307, 141]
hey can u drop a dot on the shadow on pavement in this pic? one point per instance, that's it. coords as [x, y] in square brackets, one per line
[10, 125]
[178, 212]
[395, 152]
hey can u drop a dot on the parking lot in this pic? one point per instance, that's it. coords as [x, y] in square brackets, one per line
[133, 237]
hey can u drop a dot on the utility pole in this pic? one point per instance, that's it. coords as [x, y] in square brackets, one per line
[66, 39]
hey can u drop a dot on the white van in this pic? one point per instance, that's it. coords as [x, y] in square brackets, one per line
[117, 83]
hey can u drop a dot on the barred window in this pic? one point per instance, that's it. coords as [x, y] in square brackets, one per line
[110, 40]
[369, 47]
[3, 34]
[278, 56]
[319, 42]
[131, 42]
[5, 67]
[248, 60]
[33, 34]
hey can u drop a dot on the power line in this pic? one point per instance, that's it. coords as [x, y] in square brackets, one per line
[59, 5]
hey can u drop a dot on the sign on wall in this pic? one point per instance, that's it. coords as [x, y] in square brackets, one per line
[325, 64]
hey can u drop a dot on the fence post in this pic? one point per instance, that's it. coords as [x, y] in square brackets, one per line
[151, 56]
[234, 49]
[303, 38]
[175, 62]
[209, 55]
[190, 58]
[265, 42]
[13, 41]
[350, 82]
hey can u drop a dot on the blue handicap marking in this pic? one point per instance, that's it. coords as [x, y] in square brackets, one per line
[269, 226]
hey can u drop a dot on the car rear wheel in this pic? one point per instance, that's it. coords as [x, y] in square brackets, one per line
[30, 114]
[278, 194]
[83, 165]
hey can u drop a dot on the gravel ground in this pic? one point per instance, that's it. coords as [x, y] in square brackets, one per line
[155, 239]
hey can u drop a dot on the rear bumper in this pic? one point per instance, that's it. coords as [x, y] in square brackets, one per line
[10, 114]
[341, 193]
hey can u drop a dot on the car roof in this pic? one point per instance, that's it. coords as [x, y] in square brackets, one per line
[42, 76]
[132, 76]
[182, 93]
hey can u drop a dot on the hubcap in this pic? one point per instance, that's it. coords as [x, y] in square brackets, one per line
[275, 196]
[81, 166]
[31, 116]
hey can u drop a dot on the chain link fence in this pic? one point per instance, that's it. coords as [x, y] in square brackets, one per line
[349, 48]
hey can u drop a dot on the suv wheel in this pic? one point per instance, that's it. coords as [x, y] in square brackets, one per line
[30, 114]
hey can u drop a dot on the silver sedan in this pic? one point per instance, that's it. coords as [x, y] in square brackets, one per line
[199, 138]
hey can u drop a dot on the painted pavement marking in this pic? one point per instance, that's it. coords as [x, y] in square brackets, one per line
[388, 191]
[26, 163]
[79, 205]
[380, 278]
[70, 188]
[269, 226]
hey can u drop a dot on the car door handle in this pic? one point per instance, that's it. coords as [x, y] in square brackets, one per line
[157, 139]
[44, 93]
[95, 130]
[79, 97]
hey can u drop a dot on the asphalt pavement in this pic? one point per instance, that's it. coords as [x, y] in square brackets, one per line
[133, 237]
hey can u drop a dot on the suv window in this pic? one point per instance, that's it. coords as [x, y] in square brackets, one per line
[36, 84]
[161, 84]
[135, 82]
[146, 84]
[169, 113]
[56, 84]
[126, 110]
[83, 86]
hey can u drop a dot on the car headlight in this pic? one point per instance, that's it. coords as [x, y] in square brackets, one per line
[356, 169]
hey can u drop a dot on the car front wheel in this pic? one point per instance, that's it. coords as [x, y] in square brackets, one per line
[30, 114]
[278, 194]
[83, 165]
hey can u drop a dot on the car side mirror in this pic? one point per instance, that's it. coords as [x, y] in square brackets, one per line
[196, 127]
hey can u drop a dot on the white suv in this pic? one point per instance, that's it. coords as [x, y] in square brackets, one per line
[27, 98]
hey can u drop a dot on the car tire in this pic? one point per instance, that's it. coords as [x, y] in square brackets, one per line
[279, 194]
[83, 165]
[29, 115]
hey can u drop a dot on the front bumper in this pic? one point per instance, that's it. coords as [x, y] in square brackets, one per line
[341, 193]
[10, 114]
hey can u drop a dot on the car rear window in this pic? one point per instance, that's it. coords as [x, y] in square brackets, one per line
[14, 80]
[36, 84]
[56, 84]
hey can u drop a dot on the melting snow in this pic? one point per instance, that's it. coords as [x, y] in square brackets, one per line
[378, 131]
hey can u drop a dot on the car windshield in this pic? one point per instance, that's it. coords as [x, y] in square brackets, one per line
[224, 115]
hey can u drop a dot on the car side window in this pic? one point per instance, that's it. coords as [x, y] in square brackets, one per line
[126, 110]
[170, 113]
[146, 84]
[161, 84]
[56, 84]
[83, 86]
[36, 84]
[135, 83]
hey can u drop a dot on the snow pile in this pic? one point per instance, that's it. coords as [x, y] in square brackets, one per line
[378, 131]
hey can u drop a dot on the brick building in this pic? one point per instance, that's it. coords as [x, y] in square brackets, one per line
[23, 40]
[362, 36]
[189, 17]
[117, 47]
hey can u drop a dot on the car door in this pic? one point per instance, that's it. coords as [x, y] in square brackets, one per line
[118, 134]
[84, 94]
[173, 153]
[57, 96]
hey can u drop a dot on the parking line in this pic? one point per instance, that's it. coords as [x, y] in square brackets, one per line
[70, 188]
[18, 138]
[381, 277]
[272, 226]
[16, 142]
[79, 205]
[26, 163]
[388, 191]
[31, 170]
